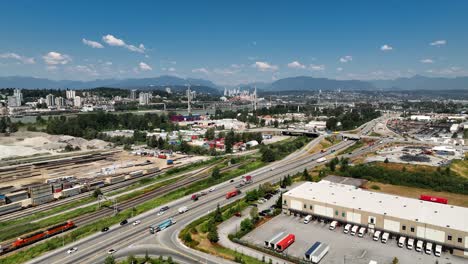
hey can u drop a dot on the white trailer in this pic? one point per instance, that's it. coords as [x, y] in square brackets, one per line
[320, 160]
[316, 252]
[269, 242]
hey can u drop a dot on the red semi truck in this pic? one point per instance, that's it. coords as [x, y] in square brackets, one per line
[433, 199]
[247, 179]
[285, 242]
[232, 194]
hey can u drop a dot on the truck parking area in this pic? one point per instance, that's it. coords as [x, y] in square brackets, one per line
[344, 248]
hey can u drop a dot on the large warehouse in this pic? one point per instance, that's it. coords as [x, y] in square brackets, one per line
[442, 224]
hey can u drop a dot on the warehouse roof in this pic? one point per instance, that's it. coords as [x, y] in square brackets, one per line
[442, 215]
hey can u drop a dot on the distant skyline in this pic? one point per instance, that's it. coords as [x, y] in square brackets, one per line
[233, 42]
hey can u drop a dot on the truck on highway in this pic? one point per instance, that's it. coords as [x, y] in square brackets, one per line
[232, 193]
[316, 252]
[320, 160]
[195, 196]
[161, 226]
[247, 179]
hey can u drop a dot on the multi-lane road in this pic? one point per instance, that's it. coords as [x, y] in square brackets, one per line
[137, 240]
[94, 249]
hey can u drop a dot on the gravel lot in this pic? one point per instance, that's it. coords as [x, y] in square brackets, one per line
[344, 248]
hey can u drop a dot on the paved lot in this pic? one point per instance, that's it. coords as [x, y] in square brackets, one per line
[343, 248]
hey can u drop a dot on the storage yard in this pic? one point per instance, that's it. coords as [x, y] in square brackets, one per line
[427, 221]
[417, 155]
[42, 182]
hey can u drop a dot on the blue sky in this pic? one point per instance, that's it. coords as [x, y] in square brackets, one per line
[232, 42]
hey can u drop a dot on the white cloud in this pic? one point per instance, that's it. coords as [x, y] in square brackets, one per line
[140, 48]
[296, 65]
[144, 67]
[386, 47]
[55, 58]
[453, 71]
[86, 69]
[438, 43]
[427, 61]
[201, 70]
[237, 66]
[113, 41]
[346, 59]
[108, 63]
[92, 44]
[315, 67]
[171, 69]
[226, 72]
[22, 59]
[264, 66]
[339, 69]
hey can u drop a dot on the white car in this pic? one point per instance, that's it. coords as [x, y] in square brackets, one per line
[136, 222]
[111, 251]
[212, 189]
[160, 213]
[71, 250]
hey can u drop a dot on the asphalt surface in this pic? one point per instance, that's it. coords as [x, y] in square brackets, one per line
[124, 239]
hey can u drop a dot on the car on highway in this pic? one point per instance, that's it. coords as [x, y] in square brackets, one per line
[71, 250]
[232, 180]
[212, 189]
[111, 251]
[136, 222]
[105, 229]
[124, 222]
[163, 210]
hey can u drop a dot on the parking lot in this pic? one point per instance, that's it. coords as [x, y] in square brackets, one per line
[344, 248]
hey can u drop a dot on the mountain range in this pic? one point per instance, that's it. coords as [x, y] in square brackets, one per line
[298, 83]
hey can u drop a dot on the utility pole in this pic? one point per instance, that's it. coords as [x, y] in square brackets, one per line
[189, 96]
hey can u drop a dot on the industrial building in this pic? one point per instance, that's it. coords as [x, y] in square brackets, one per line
[441, 224]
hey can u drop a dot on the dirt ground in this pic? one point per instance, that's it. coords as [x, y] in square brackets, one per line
[23, 144]
[453, 198]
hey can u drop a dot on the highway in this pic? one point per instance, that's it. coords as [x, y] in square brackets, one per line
[93, 249]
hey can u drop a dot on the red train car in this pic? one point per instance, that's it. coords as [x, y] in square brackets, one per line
[285, 242]
[232, 194]
[433, 199]
[32, 238]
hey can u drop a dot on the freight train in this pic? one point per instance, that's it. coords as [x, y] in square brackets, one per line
[32, 238]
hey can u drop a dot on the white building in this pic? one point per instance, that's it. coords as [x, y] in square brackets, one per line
[144, 98]
[420, 118]
[133, 95]
[13, 101]
[442, 224]
[19, 96]
[454, 128]
[50, 100]
[70, 94]
[77, 102]
[60, 101]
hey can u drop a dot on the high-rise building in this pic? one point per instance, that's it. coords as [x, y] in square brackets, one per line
[50, 100]
[70, 94]
[168, 90]
[60, 101]
[19, 96]
[133, 95]
[13, 101]
[77, 101]
[144, 98]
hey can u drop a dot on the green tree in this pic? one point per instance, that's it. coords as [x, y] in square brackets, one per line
[386, 160]
[213, 236]
[210, 134]
[187, 237]
[254, 214]
[218, 216]
[395, 260]
[97, 192]
[306, 176]
[275, 123]
[267, 154]
[132, 260]
[216, 174]
[109, 260]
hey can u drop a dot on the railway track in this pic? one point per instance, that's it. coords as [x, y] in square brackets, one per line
[105, 212]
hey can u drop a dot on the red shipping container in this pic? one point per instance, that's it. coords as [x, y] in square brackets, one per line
[162, 156]
[433, 199]
[285, 242]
